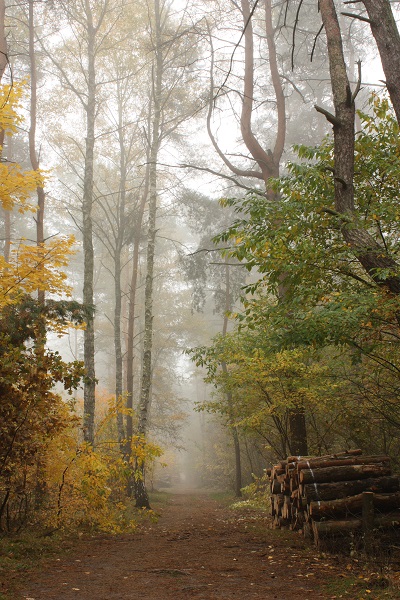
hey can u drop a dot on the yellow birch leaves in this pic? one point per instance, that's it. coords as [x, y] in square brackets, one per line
[30, 267]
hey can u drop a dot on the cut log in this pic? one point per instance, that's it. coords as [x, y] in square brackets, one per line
[357, 452]
[294, 482]
[343, 473]
[290, 467]
[342, 489]
[346, 526]
[276, 472]
[352, 505]
[275, 487]
[336, 462]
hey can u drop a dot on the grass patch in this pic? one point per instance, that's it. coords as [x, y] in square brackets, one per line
[159, 499]
[372, 586]
[223, 497]
[19, 554]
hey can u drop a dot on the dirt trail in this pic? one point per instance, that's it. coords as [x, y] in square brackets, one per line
[198, 549]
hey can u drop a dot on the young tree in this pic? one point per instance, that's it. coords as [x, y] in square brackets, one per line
[90, 25]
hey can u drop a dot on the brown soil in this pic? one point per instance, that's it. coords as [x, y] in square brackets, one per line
[198, 549]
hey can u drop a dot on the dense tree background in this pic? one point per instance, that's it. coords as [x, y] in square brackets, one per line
[214, 181]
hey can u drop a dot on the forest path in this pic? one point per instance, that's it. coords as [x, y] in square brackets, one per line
[198, 549]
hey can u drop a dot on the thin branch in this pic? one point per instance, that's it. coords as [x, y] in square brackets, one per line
[236, 47]
[329, 116]
[315, 42]
[358, 17]
[294, 31]
[358, 86]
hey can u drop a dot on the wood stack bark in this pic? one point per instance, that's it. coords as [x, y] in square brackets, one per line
[332, 496]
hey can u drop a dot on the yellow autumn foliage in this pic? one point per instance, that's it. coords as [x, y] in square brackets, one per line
[33, 268]
[16, 183]
[30, 267]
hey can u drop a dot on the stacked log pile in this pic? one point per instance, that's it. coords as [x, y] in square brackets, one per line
[334, 495]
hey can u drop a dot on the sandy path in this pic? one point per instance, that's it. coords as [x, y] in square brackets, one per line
[198, 549]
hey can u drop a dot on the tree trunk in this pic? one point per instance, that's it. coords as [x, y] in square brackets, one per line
[145, 391]
[229, 398]
[32, 135]
[87, 230]
[120, 240]
[3, 39]
[265, 160]
[132, 311]
[298, 430]
[369, 253]
[3, 65]
[386, 34]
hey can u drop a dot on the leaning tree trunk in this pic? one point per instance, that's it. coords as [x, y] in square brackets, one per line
[142, 500]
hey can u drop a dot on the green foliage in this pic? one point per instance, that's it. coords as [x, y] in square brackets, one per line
[256, 495]
[315, 329]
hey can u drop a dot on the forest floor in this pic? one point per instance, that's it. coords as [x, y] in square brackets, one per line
[200, 549]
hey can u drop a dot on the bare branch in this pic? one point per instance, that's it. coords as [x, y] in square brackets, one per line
[358, 86]
[329, 116]
[358, 17]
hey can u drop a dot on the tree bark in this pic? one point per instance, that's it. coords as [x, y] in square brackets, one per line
[298, 430]
[229, 397]
[344, 473]
[33, 155]
[142, 500]
[386, 34]
[87, 230]
[120, 240]
[3, 39]
[318, 463]
[342, 489]
[3, 65]
[370, 254]
[352, 505]
[332, 528]
[132, 310]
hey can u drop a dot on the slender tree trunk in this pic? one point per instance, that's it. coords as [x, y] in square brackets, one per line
[87, 228]
[118, 343]
[33, 155]
[117, 278]
[229, 397]
[142, 500]
[3, 39]
[132, 311]
[40, 488]
[3, 65]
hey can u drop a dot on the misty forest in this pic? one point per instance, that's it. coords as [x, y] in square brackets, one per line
[200, 266]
